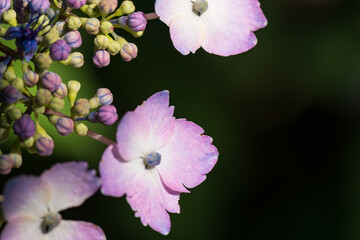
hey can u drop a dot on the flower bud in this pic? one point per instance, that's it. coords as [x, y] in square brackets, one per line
[75, 59]
[107, 6]
[73, 38]
[94, 2]
[24, 127]
[92, 26]
[64, 126]
[75, 4]
[39, 109]
[60, 27]
[92, 117]
[4, 134]
[81, 107]
[92, 10]
[74, 23]
[57, 104]
[105, 96]
[14, 114]
[51, 81]
[81, 129]
[44, 146]
[114, 47]
[127, 7]
[40, 6]
[94, 102]
[51, 37]
[6, 163]
[59, 50]
[10, 94]
[73, 87]
[128, 52]
[10, 17]
[4, 6]
[42, 61]
[4, 122]
[17, 83]
[101, 58]
[43, 96]
[30, 78]
[27, 143]
[136, 21]
[101, 42]
[61, 92]
[107, 115]
[106, 27]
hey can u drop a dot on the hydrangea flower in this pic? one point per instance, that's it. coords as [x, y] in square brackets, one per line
[155, 158]
[32, 204]
[221, 27]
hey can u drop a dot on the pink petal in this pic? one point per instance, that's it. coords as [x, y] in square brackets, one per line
[23, 228]
[26, 196]
[145, 191]
[133, 136]
[72, 184]
[187, 32]
[251, 12]
[159, 115]
[76, 230]
[167, 9]
[188, 157]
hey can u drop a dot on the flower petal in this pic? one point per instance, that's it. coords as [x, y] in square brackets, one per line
[76, 230]
[133, 136]
[23, 228]
[72, 184]
[168, 9]
[188, 157]
[145, 192]
[159, 115]
[26, 196]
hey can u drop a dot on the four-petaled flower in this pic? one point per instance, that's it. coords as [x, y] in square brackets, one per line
[32, 204]
[221, 27]
[156, 156]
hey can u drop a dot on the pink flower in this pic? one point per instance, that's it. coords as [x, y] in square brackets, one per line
[221, 27]
[155, 158]
[32, 204]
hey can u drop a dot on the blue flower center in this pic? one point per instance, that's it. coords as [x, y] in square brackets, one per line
[200, 6]
[152, 159]
[50, 221]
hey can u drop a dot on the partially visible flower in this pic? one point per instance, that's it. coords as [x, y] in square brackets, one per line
[40, 5]
[221, 27]
[108, 6]
[156, 156]
[32, 204]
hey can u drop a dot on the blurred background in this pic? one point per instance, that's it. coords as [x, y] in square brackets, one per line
[284, 116]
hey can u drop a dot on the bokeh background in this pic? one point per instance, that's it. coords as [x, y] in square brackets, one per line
[284, 116]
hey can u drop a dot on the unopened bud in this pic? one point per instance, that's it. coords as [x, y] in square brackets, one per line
[51, 37]
[61, 92]
[18, 83]
[27, 143]
[4, 134]
[92, 10]
[14, 114]
[105, 96]
[101, 58]
[10, 17]
[30, 78]
[44, 146]
[42, 61]
[59, 50]
[106, 27]
[94, 102]
[75, 59]
[73, 88]
[39, 109]
[74, 23]
[107, 6]
[57, 104]
[101, 42]
[75, 4]
[64, 126]
[127, 7]
[73, 38]
[6, 164]
[81, 129]
[128, 52]
[114, 47]
[40, 6]
[107, 115]
[81, 107]
[43, 96]
[10, 94]
[24, 127]
[92, 26]
[136, 21]
[51, 81]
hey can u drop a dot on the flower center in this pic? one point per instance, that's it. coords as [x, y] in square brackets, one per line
[200, 6]
[152, 159]
[50, 221]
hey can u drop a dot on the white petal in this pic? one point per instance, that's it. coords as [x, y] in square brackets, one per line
[168, 9]
[76, 230]
[24, 228]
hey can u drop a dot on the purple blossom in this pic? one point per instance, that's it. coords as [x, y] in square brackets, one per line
[32, 204]
[59, 50]
[221, 27]
[24, 127]
[156, 156]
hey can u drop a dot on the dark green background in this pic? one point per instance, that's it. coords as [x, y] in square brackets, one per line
[284, 116]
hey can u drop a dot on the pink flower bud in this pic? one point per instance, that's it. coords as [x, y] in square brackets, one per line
[73, 38]
[51, 81]
[59, 50]
[101, 58]
[107, 115]
[75, 4]
[128, 52]
[10, 94]
[40, 6]
[108, 6]
[105, 96]
[44, 146]
[136, 21]
[64, 126]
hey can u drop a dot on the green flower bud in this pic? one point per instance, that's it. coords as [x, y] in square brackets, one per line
[4, 83]
[114, 47]
[41, 22]
[57, 104]
[61, 92]
[91, 10]
[73, 88]
[94, 1]
[92, 26]
[10, 17]
[14, 114]
[2, 31]
[27, 143]
[101, 42]
[53, 119]
[30, 78]
[10, 73]
[81, 129]
[4, 134]
[4, 122]
[74, 23]
[127, 7]
[60, 27]
[51, 37]
[94, 102]
[81, 107]
[42, 61]
[75, 59]
[43, 96]
[39, 109]
[17, 158]
[17, 83]
[106, 27]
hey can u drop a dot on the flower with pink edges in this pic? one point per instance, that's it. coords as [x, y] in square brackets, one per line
[32, 204]
[155, 158]
[221, 27]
